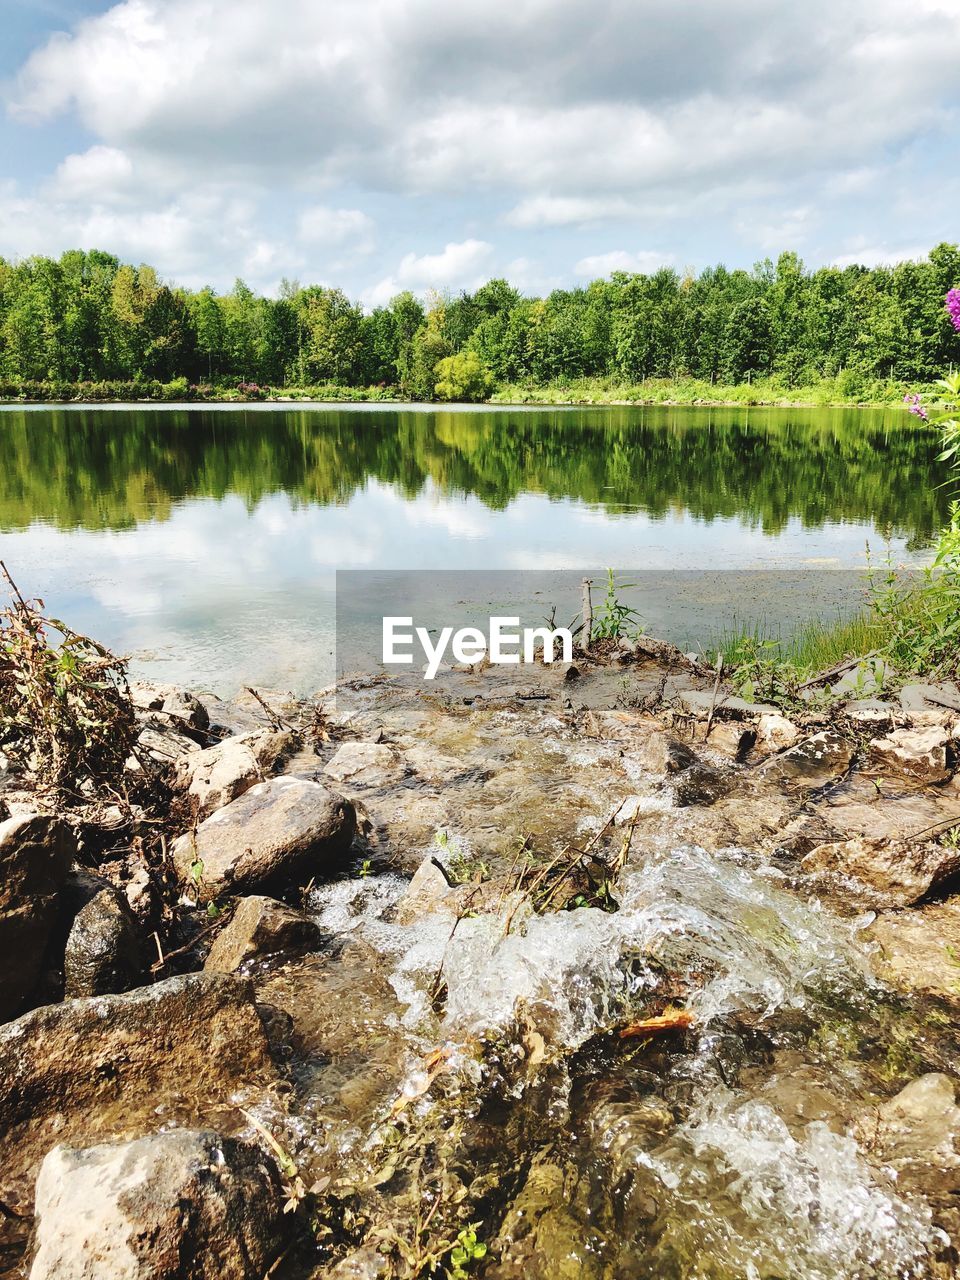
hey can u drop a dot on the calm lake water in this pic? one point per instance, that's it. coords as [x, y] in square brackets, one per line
[203, 542]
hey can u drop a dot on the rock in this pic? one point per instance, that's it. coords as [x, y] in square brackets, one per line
[899, 817]
[104, 952]
[661, 754]
[101, 1067]
[148, 695]
[776, 732]
[222, 773]
[35, 857]
[699, 701]
[163, 744]
[183, 1205]
[812, 763]
[919, 950]
[920, 754]
[279, 832]
[430, 892]
[699, 785]
[186, 707]
[540, 1236]
[365, 764]
[431, 765]
[870, 713]
[732, 739]
[863, 681]
[931, 704]
[896, 873]
[261, 926]
[803, 834]
[922, 1122]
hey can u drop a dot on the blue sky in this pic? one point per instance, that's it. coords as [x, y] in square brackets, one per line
[390, 144]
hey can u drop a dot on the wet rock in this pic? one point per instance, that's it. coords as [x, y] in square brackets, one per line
[896, 873]
[931, 704]
[812, 763]
[776, 732]
[662, 754]
[261, 926]
[431, 765]
[883, 816]
[919, 950]
[361, 1264]
[186, 707]
[104, 952]
[699, 701]
[540, 1236]
[919, 754]
[870, 713]
[366, 764]
[803, 834]
[279, 832]
[183, 1205]
[699, 785]
[222, 773]
[101, 1067]
[431, 892]
[922, 1122]
[35, 856]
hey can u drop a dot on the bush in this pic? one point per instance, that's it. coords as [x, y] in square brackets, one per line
[463, 377]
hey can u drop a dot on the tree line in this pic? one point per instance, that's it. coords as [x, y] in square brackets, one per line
[87, 317]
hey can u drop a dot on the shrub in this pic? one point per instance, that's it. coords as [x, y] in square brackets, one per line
[463, 377]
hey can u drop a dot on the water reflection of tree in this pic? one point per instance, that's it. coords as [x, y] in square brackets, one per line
[94, 469]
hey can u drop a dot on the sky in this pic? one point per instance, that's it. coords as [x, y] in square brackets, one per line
[383, 145]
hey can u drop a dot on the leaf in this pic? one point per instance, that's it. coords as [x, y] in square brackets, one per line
[671, 1020]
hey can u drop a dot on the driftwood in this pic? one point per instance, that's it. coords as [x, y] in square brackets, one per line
[838, 669]
[586, 630]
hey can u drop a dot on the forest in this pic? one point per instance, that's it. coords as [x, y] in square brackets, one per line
[86, 318]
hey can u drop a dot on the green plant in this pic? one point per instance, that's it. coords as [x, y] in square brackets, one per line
[467, 1250]
[614, 618]
[66, 715]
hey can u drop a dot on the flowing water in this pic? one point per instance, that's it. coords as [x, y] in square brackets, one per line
[760, 1143]
[202, 541]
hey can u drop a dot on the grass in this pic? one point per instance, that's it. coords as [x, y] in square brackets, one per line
[815, 646]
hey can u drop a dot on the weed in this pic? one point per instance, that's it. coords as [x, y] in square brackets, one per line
[615, 619]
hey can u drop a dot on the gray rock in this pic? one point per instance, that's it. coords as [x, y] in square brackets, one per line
[920, 754]
[35, 857]
[894, 873]
[699, 785]
[870, 713]
[367, 764]
[277, 833]
[186, 707]
[431, 893]
[261, 926]
[222, 773]
[931, 703]
[183, 1205]
[813, 762]
[162, 743]
[863, 681]
[699, 701]
[104, 953]
[100, 1067]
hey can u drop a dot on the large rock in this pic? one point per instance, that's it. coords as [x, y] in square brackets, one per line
[183, 1205]
[919, 754]
[262, 926]
[35, 857]
[813, 763]
[224, 772]
[104, 952]
[663, 754]
[919, 950]
[184, 706]
[776, 732]
[278, 832]
[896, 873]
[108, 1066]
[430, 892]
[365, 764]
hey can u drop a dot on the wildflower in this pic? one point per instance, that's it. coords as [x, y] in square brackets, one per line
[953, 307]
[914, 400]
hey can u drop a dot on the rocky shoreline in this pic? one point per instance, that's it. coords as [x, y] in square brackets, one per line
[299, 1002]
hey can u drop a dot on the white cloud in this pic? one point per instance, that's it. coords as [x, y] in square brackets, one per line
[880, 255]
[567, 211]
[604, 264]
[100, 174]
[334, 227]
[458, 266]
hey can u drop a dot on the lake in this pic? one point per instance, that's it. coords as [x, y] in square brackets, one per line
[203, 541]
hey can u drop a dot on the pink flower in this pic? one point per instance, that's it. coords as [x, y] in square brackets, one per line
[953, 307]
